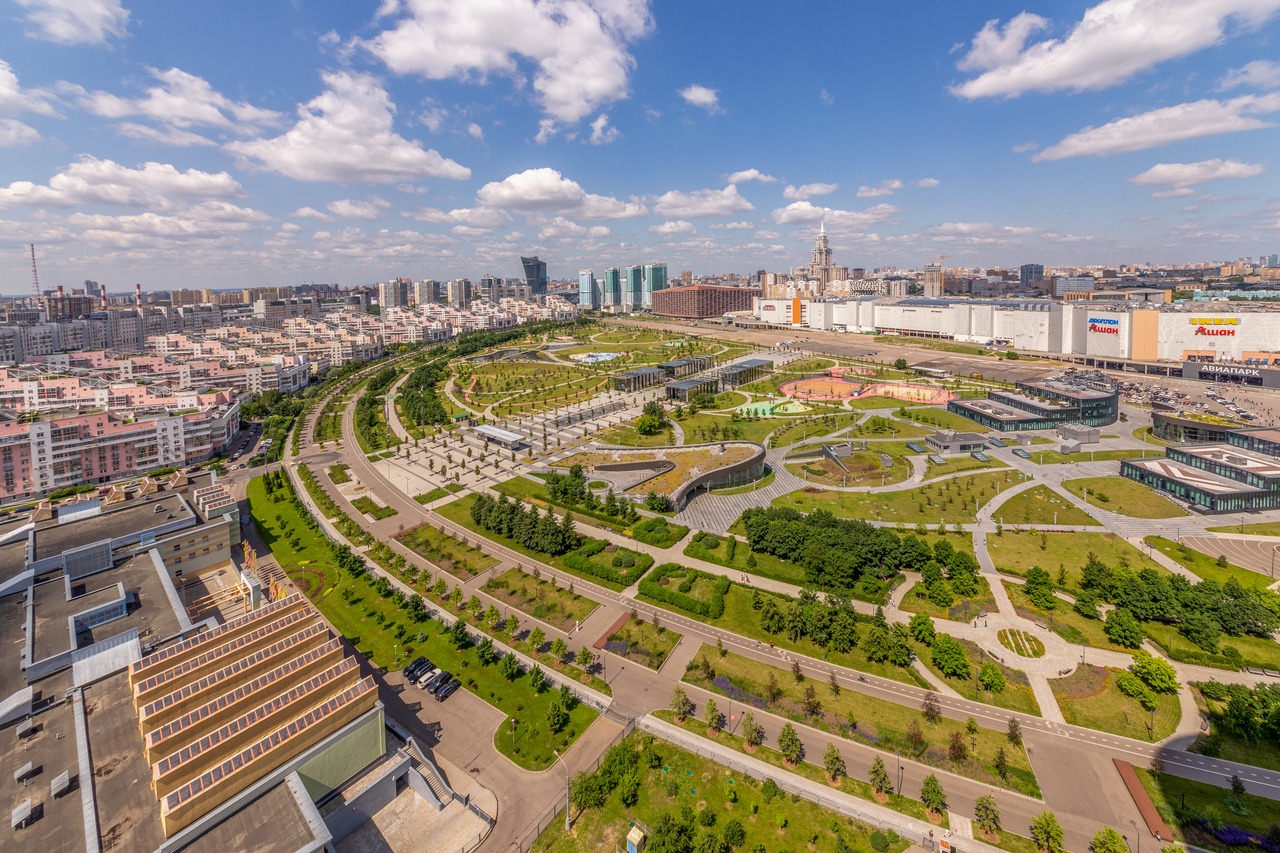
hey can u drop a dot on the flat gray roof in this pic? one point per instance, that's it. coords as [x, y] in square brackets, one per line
[498, 433]
[132, 518]
[53, 749]
[273, 823]
[128, 810]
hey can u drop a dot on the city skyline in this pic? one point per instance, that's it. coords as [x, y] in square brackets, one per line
[438, 140]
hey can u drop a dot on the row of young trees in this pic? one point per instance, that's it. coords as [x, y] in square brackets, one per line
[837, 552]
[368, 414]
[833, 625]
[526, 527]
[571, 489]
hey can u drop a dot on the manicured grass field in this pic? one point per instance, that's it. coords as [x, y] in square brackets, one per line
[1089, 697]
[705, 426]
[881, 723]
[1016, 696]
[459, 560]
[1256, 651]
[1266, 528]
[1123, 496]
[383, 631]
[438, 493]
[1231, 748]
[864, 469]
[626, 435]
[366, 505]
[540, 598]
[338, 474]
[1063, 621]
[1053, 457]
[808, 767]
[1144, 434]
[916, 600]
[735, 555]
[939, 418]
[535, 491]
[643, 642]
[952, 500]
[1169, 793]
[1017, 552]
[459, 512]
[1042, 505]
[684, 780]
[1206, 566]
[960, 464]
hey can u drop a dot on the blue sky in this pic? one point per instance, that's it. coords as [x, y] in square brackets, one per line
[237, 143]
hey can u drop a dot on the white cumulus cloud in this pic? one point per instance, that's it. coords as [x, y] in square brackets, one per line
[1167, 124]
[808, 190]
[681, 205]
[1113, 41]
[473, 217]
[92, 181]
[475, 131]
[311, 213]
[579, 49]
[367, 209]
[345, 134]
[888, 187]
[545, 189]
[1259, 74]
[1179, 177]
[701, 96]
[927, 183]
[672, 228]
[561, 229]
[182, 100]
[601, 132]
[750, 175]
[75, 21]
[14, 133]
[803, 212]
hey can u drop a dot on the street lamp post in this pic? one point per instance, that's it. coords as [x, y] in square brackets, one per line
[567, 825]
[1137, 834]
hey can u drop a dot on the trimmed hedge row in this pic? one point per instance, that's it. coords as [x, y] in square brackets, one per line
[580, 561]
[712, 609]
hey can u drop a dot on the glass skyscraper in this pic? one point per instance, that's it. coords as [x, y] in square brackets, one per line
[633, 295]
[535, 275]
[612, 287]
[588, 290]
[655, 278]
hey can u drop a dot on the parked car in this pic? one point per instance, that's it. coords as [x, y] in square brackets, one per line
[426, 676]
[448, 690]
[415, 667]
[439, 681]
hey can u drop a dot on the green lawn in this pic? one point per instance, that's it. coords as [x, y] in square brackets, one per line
[1256, 651]
[1015, 553]
[1016, 696]
[1266, 528]
[684, 780]
[1041, 505]
[963, 610]
[809, 428]
[1063, 621]
[1089, 697]
[1021, 643]
[438, 493]
[1231, 748]
[705, 426]
[929, 343]
[808, 767]
[939, 418]
[338, 474]
[381, 630]
[861, 468]
[1126, 497]
[540, 598]
[643, 642]
[366, 505]
[881, 723]
[1206, 566]
[960, 464]
[1144, 434]
[459, 560]
[459, 512]
[1053, 457]
[735, 554]
[949, 501]
[535, 492]
[658, 532]
[1182, 802]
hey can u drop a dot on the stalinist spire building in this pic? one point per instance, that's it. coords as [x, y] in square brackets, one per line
[821, 272]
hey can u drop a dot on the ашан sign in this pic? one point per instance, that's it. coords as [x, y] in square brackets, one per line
[1213, 326]
[1104, 325]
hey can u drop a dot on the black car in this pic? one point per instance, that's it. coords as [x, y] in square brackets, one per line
[439, 681]
[445, 692]
[412, 670]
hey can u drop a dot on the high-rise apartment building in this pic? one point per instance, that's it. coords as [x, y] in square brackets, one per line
[686, 277]
[612, 293]
[459, 292]
[655, 278]
[633, 289]
[426, 291]
[588, 290]
[931, 282]
[535, 275]
[394, 293]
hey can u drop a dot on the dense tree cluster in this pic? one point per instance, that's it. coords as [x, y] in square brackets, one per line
[1203, 612]
[1252, 715]
[571, 489]
[368, 420]
[590, 790]
[526, 527]
[833, 624]
[837, 552]
[419, 402]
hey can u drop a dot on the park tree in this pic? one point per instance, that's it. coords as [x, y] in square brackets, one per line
[1046, 832]
[680, 704]
[844, 630]
[557, 718]
[949, 657]
[1107, 840]
[986, 813]
[734, 833]
[585, 657]
[752, 732]
[536, 638]
[834, 763]
[1123, 630]
[715, 717]
[879, 777]
[485, 652]
[900, 364]
[789, 744]
[537, 678]
[509, 667]
[672, 833]
[921, 628]
[932, 795]
[956, 750]
[559, 648]
[991, 678]
[915, 736]
[1157, 673]
[1039, 588]
[1015, 731]
[1001, 763]
[812, 704]
[930, 707]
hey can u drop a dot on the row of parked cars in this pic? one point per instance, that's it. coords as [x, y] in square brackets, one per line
[427, 676]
